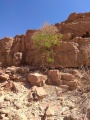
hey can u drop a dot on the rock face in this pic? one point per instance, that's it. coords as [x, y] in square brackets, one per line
[74, 53]
[5, 51]
[78, 24]
[74, 50]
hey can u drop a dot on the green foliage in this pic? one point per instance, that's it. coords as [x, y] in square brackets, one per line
[45, 41]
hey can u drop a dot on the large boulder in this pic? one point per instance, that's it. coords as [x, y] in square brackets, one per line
[37, 79]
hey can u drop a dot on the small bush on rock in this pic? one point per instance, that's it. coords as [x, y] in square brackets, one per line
[46, 39]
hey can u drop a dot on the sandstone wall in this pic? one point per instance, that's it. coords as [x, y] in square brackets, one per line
[74, 50]
[78, 24]
[74, 53]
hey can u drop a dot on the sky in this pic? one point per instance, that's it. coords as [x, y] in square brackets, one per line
[17, 16]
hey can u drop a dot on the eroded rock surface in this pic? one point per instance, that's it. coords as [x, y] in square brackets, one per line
[74, 51]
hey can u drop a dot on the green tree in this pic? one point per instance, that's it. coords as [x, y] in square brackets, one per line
[45, 40]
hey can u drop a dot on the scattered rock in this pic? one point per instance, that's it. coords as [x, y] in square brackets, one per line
[19, 116]
[76, 73]
[11, 70]
[49, 112]
[86, 89]
[72, 84]
[3, 111]
[17, 78]
[37, 79]
[14, 77]
[4, 77]
[88, 113]
[65, 87]
[54, 77]
[38, 92]
[68, 77]
[69, 118]
[23, 70]
[11, 86]
[7, 98]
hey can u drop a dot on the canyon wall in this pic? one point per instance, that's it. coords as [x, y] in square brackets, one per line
[74, 50]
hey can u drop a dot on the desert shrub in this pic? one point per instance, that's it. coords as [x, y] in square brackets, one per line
[86, 73]
[45, 40]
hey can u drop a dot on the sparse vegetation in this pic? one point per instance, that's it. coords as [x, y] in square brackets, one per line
[86, 74]
[46, 39]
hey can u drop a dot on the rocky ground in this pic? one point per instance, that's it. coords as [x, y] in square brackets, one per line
[29, 93]
[19, 100]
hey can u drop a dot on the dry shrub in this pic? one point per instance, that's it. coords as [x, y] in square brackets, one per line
[86, 74]
[49, 29]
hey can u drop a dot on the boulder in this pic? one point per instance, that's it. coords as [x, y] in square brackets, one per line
[10, 85]
[23, 70]
[40, 92]
[69, 80]
[76, 73]
[72, 84]
[68, 77]
[3, 111]
[36, 93]
[36, 79]
[64, 87]
[11, 69]
[49, 111]
[54, 77]
[14, 77]
[17, 78]
[17, 115]
[4, 77]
